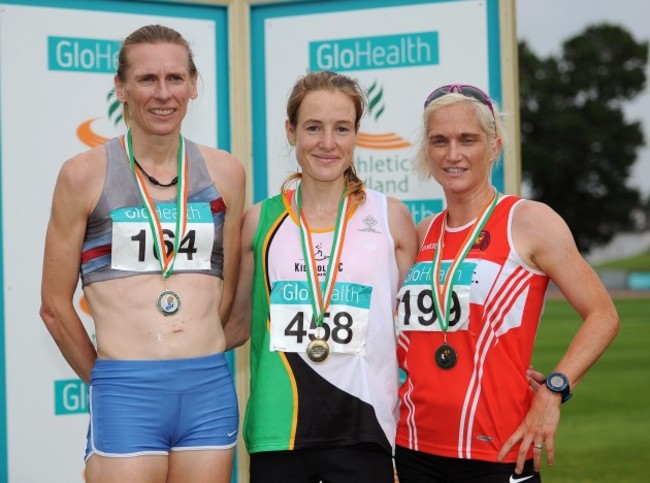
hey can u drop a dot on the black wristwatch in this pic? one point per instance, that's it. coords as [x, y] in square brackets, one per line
[559, 383]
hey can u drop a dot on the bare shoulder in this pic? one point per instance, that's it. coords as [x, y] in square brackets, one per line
[397, 208]
[531, 213]
[225, 169]
[252, 214]
[250, 223]
[400, 220]
[539, 234]
[85, 164]
[423, 226]
[82, 176]
[536, 219]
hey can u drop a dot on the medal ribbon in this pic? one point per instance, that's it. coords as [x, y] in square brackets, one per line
[320, 300]
[165, 259]
[441, 292]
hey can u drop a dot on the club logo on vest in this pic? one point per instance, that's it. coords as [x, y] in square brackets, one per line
[370, 222]
[482, 241]
[322, 261]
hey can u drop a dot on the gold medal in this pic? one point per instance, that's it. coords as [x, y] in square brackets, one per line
[446, 356]
[168, 302]
[318, 350]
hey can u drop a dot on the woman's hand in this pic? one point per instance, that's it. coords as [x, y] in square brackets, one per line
[537, 429]
[535, 379]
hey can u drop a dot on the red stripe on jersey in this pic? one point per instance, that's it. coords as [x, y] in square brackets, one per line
[496, 307]
[217, 206]
[95, 253]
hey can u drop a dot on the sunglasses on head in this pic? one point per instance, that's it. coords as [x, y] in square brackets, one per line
[464, 89]
[468, 91]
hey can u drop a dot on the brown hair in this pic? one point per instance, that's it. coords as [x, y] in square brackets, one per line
[151, 34]
[330, 81]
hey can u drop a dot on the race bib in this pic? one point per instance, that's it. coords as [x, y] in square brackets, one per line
[344, 327]
[415, 310]
[133, 245]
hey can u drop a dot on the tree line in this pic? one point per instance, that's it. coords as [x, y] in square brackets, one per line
[577, 147]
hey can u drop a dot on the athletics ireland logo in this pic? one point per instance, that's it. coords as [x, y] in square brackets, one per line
[85, 131]
[376, 107]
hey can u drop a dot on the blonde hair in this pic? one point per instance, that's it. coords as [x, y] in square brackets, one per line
[491, 124]
[333, 82]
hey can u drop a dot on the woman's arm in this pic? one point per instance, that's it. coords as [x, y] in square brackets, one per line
[230, 179]
[72, 202]
[238, 325]
[404, 236]
[544, 241]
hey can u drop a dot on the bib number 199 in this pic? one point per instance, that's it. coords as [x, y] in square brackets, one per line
[422, 312]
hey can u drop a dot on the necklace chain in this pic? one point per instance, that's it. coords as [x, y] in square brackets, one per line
[153, 180]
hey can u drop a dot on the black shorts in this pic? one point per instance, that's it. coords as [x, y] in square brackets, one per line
[418, 467]
[361, 463]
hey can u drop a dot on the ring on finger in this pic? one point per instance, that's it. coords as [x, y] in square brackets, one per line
[538, 446]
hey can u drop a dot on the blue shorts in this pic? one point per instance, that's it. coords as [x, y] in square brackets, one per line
[152, 407]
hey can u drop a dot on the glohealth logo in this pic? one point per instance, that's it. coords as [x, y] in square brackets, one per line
[82, 55]
[90, 56]
[377, 52]
[70, 397]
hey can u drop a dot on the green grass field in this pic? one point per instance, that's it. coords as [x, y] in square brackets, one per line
[604, 432]
[638, 263]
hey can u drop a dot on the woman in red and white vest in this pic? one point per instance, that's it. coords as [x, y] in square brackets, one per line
[470, 307]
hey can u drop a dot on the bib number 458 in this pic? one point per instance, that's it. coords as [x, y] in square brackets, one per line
[339, 328]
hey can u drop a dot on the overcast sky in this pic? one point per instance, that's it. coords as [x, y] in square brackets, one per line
[545, 24]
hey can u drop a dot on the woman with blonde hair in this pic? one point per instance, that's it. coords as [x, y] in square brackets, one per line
[470, 307]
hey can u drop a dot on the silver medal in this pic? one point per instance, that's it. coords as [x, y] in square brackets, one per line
[168, 302]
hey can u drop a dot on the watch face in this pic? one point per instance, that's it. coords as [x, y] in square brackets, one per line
[557, 382]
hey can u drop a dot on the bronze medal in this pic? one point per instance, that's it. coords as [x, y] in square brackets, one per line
[168, 302]
[318, 350]
[442, 287]
[446, 357]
